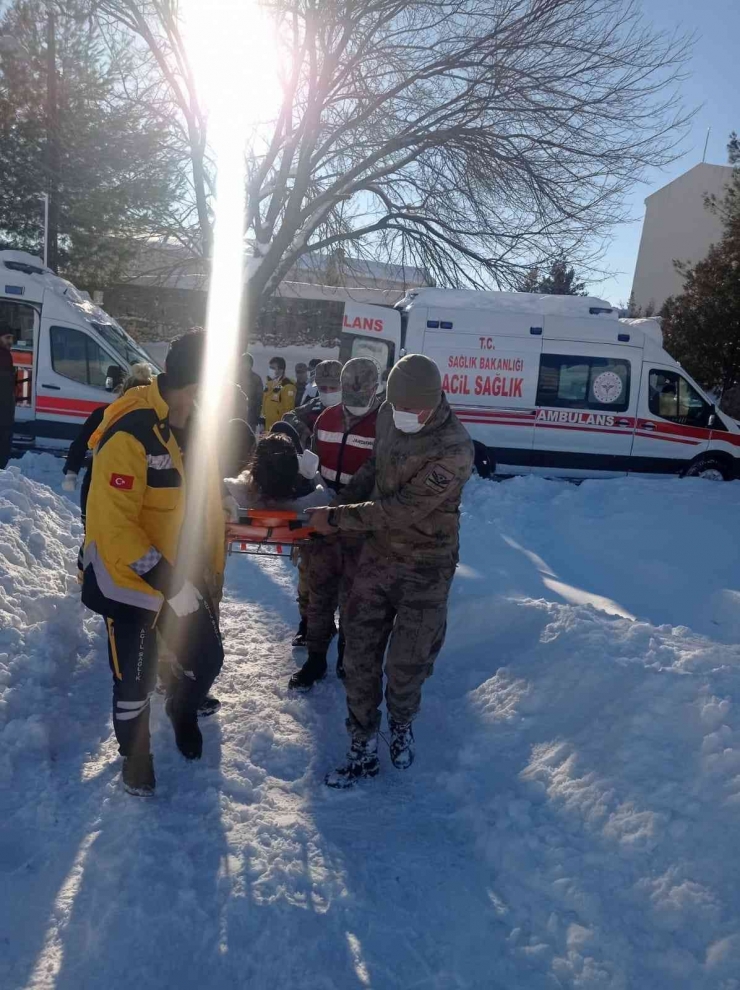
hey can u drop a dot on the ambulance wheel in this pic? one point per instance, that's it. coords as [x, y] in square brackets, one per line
[711, 468]
[485, 465]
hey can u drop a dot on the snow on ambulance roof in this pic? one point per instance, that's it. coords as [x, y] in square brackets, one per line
[509, 302]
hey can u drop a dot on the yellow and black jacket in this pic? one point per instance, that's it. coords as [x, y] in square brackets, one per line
[137, 503]
[277, 399]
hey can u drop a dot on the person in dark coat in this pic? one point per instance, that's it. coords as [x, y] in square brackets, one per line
[301, 381]
[7, 395]
[141, 374]
[253, 387]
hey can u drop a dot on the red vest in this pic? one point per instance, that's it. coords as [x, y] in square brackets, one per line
[341, 454]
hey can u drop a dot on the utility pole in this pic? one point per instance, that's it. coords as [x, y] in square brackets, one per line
[52, 140]
[45, 197]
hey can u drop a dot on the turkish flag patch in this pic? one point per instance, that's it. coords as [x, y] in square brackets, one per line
[123, 482]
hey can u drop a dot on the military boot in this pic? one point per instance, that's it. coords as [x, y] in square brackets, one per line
[138, 775]
[362, 761]
[187, 734]
[314, 669]
[402, 744]
[300, 637]
[208, 706]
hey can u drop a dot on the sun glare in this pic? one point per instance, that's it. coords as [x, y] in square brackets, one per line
[231, 53]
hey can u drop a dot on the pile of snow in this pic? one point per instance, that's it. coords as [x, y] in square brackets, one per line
[599, 774]
[571, 819]
[42, 627]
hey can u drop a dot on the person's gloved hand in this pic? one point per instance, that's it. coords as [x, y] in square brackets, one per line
[70, 481]
[308, 464]
[231, 508]
[186, 601]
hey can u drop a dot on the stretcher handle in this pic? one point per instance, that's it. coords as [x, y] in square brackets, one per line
[275, 520]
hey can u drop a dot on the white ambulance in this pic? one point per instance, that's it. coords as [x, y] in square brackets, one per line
[554, 385]
[65, 353]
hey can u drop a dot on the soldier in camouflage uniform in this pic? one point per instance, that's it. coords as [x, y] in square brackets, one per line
[406, 500]
[327, 378]
[343, 440]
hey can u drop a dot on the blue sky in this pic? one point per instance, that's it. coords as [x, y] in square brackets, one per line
[714, 86]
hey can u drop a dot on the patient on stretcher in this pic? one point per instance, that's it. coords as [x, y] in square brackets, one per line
[274, 479]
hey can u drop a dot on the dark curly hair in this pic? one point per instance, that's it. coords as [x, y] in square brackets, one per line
[274, 467]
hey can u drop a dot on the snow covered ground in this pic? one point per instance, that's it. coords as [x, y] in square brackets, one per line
[571, 820]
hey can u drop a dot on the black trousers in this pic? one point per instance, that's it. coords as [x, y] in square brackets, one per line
[132, 652]
[6, 443]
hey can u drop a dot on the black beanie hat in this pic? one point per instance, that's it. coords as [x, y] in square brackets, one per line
[290, 432]
[186, 359]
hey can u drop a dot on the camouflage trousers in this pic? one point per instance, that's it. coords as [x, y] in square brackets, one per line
[332, 563]
[301, 562]
[397, 612]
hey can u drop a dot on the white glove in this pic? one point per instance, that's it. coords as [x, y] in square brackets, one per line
[186, 601]
[308, 464]
[231, 508]
[70, 481]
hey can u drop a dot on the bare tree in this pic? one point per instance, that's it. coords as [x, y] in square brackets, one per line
[473, 138]
[164, 88]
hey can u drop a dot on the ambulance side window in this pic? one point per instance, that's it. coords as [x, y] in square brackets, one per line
[75, 355]
[569, 382]
[672, 398]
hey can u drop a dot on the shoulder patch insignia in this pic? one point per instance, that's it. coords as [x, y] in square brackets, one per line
[439, 479]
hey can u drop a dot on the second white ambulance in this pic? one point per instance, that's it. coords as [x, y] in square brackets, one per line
[555, 385]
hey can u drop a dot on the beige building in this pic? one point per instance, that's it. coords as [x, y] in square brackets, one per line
[677, 227]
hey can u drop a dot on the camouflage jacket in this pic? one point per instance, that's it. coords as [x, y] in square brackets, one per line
[413, 484]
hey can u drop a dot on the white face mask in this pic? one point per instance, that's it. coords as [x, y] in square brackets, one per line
[406, 422]
[330, 398]
[358, 410]
[273, 375]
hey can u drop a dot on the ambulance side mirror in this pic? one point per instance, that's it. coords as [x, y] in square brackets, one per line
[712, 420]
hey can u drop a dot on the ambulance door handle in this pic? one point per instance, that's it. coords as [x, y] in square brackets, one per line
[57, 388]
[623, 422]
[649, 426]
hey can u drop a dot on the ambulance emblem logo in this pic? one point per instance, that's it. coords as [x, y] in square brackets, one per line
[607, 387]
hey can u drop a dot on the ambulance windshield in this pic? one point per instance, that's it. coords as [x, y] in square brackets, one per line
[117, 338]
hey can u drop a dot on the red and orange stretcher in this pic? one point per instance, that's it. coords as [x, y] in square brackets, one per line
[268, 533]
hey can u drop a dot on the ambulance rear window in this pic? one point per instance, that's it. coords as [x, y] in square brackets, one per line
[570, 382]
[381, 351]
[18, 318]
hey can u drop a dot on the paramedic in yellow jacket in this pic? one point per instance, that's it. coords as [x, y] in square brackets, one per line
[279, 395]
[133, 564]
